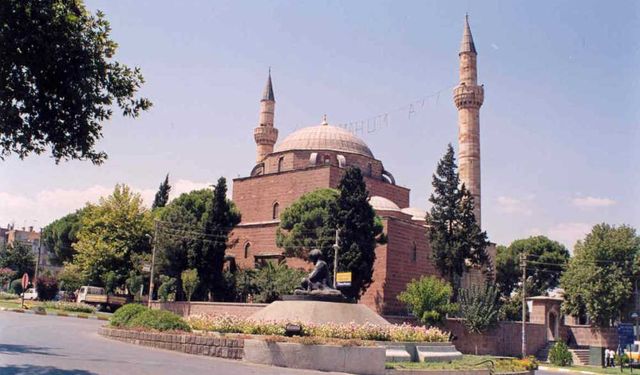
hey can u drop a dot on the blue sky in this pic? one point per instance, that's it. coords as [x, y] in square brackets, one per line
[560, 125]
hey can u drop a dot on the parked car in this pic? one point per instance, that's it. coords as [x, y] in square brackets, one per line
[65, 296]
[98, 297]
[30, 294]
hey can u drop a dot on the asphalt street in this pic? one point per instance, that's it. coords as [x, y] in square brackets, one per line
[49, 345]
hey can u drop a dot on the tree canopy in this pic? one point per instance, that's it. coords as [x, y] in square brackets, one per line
[453, 232]
[428, 299]
[60, 235]
[113, 234]
[600, 276]
[546, 259]
[162, 196]
[58, 80]
[19, 257]
[309, 223]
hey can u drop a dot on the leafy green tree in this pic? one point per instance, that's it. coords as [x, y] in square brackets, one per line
[560, 355]
[134, 282]
[511, 307]
[58, 79]
[359, 230]
[219, 219]
[479, 307]
[60, 235]
[269, 282]
[190, 282]
[546, 259]
[309, 224]
[6, 274]
[428, 299]
[600, 276]
[167, 289]
[19, 257]
[71, 278]
[111, 234]
[162, 196]
[453, 233]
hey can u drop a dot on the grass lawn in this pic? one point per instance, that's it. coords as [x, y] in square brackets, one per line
[597, 369]
[502, 364]
[15, 304]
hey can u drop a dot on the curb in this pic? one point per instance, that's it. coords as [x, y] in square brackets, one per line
[65, 315]
[566, 370]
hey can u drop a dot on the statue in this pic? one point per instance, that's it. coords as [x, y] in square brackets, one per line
[317, 282]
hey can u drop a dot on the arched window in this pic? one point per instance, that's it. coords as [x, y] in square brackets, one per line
[369, 170]
[326, 159]
[280, 162]
[247, 247]
[414, 252]
[276, 211]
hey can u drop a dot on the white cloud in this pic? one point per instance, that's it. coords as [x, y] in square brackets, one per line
[47, 205]
[495, 46]
[566, 233]
[511, 205]
[592, 202]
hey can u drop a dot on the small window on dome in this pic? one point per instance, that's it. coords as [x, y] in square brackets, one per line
[247, 247]
[414, 252]
[326, 159]
[276, 211]
[369, 169]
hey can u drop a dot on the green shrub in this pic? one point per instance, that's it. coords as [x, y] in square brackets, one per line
[479, 307]
[70, 306]
[123, 316]
[5, 296]
[621, 360]
[428, 299]
[16, 286]
[560, 355]
[161, 320]
[167, 289]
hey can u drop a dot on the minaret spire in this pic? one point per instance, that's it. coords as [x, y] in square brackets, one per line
[468, 97]
[266, 134]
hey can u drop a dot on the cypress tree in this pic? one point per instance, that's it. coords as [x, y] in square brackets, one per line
[358, 227]
[219, 219]
[453, 232]
[162, 196]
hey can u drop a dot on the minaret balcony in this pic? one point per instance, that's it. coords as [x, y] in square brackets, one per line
[468, 96]
[265, 135]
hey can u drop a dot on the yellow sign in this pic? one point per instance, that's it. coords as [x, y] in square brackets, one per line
[343, 278]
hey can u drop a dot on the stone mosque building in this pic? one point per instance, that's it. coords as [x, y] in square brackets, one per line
[315, 157]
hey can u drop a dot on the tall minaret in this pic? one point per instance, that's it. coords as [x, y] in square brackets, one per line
[468, 97]
[265, 134]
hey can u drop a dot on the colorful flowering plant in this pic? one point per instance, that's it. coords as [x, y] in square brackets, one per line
[352, 331]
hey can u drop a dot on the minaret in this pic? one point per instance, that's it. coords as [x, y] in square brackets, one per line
[265, 134]
[468, 97]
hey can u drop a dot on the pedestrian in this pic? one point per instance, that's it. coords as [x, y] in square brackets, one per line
[607, 354]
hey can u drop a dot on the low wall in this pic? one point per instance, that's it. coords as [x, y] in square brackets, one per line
[215, 308]
[504, 339]
[187, 343]
[582, 335]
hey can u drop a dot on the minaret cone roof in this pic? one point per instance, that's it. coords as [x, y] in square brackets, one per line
[467, 39]
[267, 94]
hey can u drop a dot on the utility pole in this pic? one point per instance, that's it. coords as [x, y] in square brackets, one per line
[336, 246]
[523, 264]
[35, 274]
[153, 264]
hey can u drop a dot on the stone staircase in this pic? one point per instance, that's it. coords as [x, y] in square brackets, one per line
[580, 356]
[543, 354]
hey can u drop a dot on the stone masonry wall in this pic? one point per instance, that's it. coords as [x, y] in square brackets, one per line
[230, 348]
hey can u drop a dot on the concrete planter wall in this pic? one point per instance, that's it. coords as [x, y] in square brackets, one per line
[350, 359]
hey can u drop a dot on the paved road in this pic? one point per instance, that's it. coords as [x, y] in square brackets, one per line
[49, 345]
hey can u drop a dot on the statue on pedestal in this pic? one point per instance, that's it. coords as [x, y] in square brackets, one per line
[318, 281]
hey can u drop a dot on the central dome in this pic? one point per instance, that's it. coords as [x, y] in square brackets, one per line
[324, 137]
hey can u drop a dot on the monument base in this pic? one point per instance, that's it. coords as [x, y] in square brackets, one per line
[339, 298]
[319, 312]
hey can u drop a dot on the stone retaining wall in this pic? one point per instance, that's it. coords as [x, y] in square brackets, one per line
[230, 348]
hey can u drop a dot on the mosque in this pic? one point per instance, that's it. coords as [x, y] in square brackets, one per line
[315, 157]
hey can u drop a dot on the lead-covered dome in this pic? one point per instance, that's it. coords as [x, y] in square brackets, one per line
[324, 137]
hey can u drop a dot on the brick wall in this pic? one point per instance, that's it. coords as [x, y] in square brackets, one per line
[230, 348]
[590, 336]
[216, 308]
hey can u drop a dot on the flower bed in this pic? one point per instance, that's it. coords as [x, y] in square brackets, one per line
[404, 332]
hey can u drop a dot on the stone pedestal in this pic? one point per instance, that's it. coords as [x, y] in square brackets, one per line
[319, 312]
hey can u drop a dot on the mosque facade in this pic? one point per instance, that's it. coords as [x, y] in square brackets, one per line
[315, 157]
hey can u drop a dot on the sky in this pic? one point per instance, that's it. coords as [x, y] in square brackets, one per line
[560, 124]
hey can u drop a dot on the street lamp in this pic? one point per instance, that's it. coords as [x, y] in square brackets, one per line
[152, 240]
